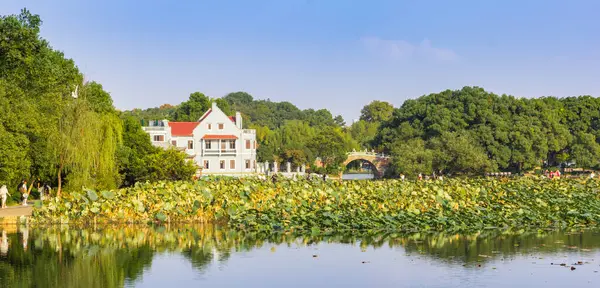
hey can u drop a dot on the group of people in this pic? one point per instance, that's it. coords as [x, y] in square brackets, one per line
[552, 174]
[420, 177]
[22, 188]
[439, 176]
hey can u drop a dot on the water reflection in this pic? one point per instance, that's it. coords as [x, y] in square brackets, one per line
[113, 256]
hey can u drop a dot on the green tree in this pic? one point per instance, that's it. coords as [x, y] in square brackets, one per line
[456, 152]
[364, 133]
[411, 158]
[377, 111]
[87, 142]
[193, 109]
[239, 99]
[339, 121]
[139, 161]
[329, 145]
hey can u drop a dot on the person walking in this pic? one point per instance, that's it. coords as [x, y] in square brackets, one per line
[47, 190]
[3, 194]
[23, 190]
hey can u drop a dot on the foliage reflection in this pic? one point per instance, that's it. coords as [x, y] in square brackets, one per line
[113, 256]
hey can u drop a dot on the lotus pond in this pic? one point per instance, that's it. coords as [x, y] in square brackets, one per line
[318, 207]
[215, 256]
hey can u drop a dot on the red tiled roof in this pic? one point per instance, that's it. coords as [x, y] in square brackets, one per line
[215, 137]
[183, 128]
[232, 118]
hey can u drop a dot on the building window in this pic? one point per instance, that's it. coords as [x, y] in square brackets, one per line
[254, 144]
[254, 164]
[220, 126]
[209, 126]
[159, 138]
[206, 166]
[207, 144]
[232, 144]
[247, 164]
[222, 164]
[223, 145]
[231, 164]
[190, 144]
[248, 144]
[174, 142]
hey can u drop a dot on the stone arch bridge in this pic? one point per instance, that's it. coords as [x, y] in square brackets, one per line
[379, 161]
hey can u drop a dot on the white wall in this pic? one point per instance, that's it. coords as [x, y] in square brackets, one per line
[182, 142]
[215, 118]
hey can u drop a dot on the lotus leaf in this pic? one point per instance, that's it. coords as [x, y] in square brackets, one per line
[91, 194]
[160, 217]
[305, 205]
[108, 194]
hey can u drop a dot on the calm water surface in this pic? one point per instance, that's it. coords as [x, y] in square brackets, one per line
[358, 176]
[209, 256]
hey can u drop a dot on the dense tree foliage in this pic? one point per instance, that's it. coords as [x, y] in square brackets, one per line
[188, 111]
[371, 117]
[57, 128]
[287, 133]
[377, 111]
[474, 131]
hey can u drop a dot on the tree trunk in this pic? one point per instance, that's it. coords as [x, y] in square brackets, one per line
[60, 167]
[30, 185]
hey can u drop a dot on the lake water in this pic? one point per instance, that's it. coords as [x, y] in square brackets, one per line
[358, 176]
[210, 256]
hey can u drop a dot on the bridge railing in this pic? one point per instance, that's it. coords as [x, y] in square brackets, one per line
[367, 153]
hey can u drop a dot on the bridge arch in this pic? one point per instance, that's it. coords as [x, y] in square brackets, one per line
[379, 162]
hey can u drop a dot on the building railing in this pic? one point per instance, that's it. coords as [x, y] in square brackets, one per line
[152, 123]
[217, 151]
[154, 128]
[249, 131]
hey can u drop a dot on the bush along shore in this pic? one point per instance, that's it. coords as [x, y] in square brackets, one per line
[316, 206]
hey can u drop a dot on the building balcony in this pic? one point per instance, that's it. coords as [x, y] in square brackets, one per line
[249, 131]
[219, 151]
[154, 128]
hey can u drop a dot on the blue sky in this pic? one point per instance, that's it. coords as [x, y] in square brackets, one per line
[332, 54]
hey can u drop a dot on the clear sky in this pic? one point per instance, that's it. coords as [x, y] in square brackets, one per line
[334, 54]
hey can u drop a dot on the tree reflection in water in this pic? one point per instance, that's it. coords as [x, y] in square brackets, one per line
[113, 256]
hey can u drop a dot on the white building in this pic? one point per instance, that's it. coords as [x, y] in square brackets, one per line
[217, 143]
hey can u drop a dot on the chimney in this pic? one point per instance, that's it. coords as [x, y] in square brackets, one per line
[214, 105]
[238, 119]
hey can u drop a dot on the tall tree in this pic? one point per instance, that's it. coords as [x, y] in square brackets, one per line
[377, 111]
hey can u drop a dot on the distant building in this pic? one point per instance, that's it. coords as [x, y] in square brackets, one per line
[216, 143]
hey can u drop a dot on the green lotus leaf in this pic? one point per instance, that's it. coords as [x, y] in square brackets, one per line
[108, 194]
[91, 194]
[160, 217]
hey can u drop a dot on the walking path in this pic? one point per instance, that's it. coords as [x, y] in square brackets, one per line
[12, 211]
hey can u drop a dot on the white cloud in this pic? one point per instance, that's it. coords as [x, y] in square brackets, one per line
[401, 50]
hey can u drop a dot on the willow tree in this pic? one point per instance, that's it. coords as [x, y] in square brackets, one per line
[87, 144]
